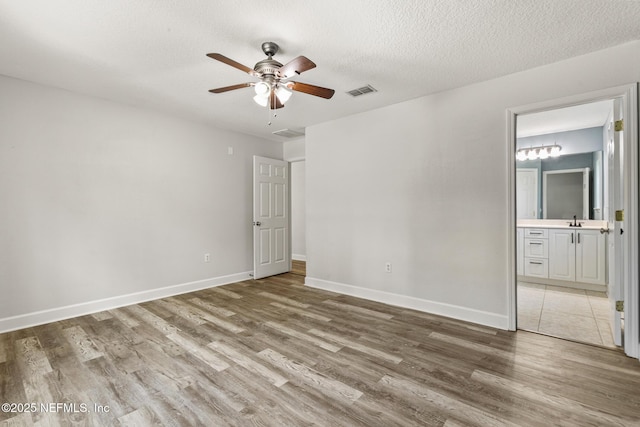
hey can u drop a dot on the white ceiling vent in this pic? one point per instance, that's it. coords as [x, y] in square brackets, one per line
[362, 90]
[289, 133]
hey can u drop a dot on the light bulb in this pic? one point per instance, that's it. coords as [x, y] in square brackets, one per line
[522, 155]
[555, 151]
[262, 88]
[543, 153]
[532, 155]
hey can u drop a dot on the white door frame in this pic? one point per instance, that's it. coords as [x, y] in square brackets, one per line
[629, 95]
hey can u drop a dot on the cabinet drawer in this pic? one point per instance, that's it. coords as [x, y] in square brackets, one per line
[540, 233]
[538, 248]
[537, 267]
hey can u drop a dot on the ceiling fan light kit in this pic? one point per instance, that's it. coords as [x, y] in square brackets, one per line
[274, 88]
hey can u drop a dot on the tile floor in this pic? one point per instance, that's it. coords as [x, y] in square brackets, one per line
[565, 313]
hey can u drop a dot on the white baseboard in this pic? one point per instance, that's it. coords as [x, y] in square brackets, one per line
[52, 315]
[298, 257]
[563, 283]
[448, 310]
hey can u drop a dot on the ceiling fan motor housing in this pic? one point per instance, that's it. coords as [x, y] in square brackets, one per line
[267, 67]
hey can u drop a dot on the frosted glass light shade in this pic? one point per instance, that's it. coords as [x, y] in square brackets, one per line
[262, 89]
[283, 94]
[261, 100]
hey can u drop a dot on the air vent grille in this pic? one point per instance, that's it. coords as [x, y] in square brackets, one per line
[289, 133]
[362, 90]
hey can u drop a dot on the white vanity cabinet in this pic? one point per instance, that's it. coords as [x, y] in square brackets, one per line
[574, 257]
[577, 255]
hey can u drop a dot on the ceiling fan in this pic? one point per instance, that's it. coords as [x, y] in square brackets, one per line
[274, 87]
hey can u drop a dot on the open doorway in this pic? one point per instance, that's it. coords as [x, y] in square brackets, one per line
[561, 191]
[575, 263]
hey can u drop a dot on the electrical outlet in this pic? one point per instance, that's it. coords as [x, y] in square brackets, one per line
[387, 267]
[207, 257]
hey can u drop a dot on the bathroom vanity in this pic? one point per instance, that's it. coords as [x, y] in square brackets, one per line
[552, 252]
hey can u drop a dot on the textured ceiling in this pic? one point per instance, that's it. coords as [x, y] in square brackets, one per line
[151, 53]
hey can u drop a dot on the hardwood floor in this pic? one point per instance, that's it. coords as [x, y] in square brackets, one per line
[299, 267]
[272, 352]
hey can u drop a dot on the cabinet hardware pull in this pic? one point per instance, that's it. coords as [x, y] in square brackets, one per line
[536, 263]
[571, 238]
[578, 238]
[535, 243]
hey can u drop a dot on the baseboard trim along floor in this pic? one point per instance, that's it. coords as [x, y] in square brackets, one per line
[55, 314]
[442, 309]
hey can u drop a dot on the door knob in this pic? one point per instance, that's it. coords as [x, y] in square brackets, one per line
[257, 223]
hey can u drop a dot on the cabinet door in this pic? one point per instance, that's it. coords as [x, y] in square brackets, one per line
[562, 255]
[590, 256]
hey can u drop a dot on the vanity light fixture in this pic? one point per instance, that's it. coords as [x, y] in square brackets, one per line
[541, 152]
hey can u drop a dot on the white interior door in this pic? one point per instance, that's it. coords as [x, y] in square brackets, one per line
[271, 220]
[614, 158]
[526, 193]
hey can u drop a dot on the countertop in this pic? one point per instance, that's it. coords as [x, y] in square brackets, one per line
[564, 223]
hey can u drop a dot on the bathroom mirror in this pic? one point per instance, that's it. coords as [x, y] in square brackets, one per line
[583, 187]
[565, 194]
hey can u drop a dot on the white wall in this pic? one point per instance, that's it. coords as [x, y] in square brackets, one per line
[294, 150]
[424, 185]
[298, 211]
[105, 204]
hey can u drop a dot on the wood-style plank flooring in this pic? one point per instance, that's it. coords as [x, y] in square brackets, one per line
[272, 352]
[299, 267]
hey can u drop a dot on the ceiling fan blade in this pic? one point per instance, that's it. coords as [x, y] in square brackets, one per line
[322, 92]
[296, 66]
[274, 101]
[228, 88]
[228, 61]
